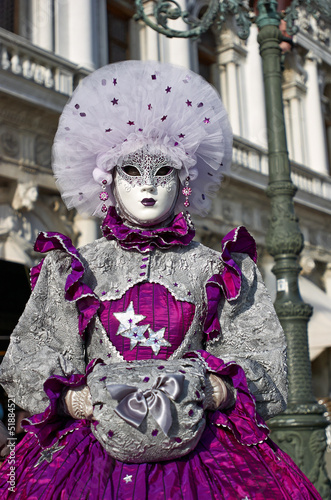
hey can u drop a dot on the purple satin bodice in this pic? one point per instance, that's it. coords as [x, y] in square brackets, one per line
[162, 321]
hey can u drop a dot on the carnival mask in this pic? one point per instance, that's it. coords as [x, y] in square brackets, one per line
[146, 187]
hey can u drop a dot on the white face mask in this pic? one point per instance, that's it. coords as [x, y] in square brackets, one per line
[146, 187]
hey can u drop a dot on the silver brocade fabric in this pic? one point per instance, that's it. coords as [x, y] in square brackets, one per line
[46, 340]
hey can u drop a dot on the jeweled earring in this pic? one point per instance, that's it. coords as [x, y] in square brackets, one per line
[104, 195]
[187, 191]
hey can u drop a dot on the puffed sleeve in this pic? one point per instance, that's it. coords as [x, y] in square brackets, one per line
[46, 340]
[245, 329]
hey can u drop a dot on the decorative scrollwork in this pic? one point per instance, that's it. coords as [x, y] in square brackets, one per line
[220, 10]
[294, 310]
[316, 8]
[304, 409]
[243, 17]
[291, 15]
[165, 10]
[291, 442]
[10, 143]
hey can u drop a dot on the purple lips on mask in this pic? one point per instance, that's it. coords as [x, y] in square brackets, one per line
[148, 202]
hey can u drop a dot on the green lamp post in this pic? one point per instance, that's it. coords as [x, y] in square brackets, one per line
[300, 430]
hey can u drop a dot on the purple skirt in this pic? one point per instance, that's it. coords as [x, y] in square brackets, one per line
[219, 468]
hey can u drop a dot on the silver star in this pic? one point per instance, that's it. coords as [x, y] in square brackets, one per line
[48, 454]
[128, 479]
[128, 326]
[136, 334]
[128, 319]
[156, 340]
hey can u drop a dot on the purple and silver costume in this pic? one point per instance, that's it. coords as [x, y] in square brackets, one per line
[153, 296]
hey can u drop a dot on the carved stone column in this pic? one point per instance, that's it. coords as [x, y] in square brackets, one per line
[230, 56]
[177, 50]
[80, 31]
[256, 119]
[87, 229]
[315, 128]
[149, 39]
[294, 93]
[327, 280]
[159, 48]
[42, 33]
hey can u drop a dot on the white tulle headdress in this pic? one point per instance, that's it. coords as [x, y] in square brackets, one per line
[123, 107]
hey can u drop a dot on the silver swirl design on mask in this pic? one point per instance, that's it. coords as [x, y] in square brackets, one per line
[147, 165]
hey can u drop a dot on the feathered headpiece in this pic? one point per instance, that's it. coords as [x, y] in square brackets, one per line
[123, 107]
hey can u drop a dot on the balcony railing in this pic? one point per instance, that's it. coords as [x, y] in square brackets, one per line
[20, 58]
[254, 158]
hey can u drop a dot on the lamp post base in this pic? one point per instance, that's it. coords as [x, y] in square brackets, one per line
[300, 432]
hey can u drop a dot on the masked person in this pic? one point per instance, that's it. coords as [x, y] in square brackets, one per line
[133, 351]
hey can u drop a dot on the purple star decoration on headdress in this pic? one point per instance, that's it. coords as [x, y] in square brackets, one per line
[182, 104]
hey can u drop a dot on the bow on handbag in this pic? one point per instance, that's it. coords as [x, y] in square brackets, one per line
[134, 403]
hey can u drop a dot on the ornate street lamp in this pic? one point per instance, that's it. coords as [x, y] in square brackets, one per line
[300, 430]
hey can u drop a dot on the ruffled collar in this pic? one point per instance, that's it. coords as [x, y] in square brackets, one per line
[179, 232]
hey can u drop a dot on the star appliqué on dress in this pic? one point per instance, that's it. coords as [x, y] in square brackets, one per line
[156, 340]
[128, 478]
[48, 454]
[128, 326]
[136, 335]
[128, 319]
[130, 329]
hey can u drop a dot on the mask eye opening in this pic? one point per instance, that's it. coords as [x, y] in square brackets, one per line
[163, 171]
[131, 171]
